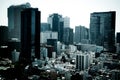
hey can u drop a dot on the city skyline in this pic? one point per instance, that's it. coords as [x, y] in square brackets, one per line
[78, 11]
[39, 43]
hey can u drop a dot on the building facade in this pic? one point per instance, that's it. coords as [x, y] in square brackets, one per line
[14, 19]
[45, 27]
[81, 34]
[3, 35]
[57, 25]
[66, 22]
[82, 62]
[68, 36]
[102, 29]
[48, 35]
[30, 34]
[118, 43]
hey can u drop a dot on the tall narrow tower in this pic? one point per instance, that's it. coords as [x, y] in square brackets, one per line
[57, 24]
[30, 34]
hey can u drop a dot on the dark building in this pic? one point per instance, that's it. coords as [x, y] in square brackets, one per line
[57, 24]
[3, 35]
[30, 34]
[52, 42]
[118, 37]
[68, 36]
[77, 76]
[45, 27]
[14, 19]
[4, 52]
[102, 29]
[4, 42]
[118, 43]
[50, 49]
[14, 45]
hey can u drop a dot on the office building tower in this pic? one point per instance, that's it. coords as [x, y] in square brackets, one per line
[14, 19]
[4, 51]
[66, 22]
[57, 24]
[81, 34]
[3, 35]
[45, 27]
[68, 36]
[30, 34]
[102, 29]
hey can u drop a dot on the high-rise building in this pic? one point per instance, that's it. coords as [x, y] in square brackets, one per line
[102, 29]
[57, 24]
[68, 36]
[3, 35]
[45, 27]
[81, 34]
[14, 19]
[66, 22]
[30, 34]
[4, 51]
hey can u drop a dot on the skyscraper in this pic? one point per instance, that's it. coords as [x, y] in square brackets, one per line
[81, 34]
[57, 24]
[30, 34]
[4, 42]
[3, 35]
[14, 19]
[102, 29]
[66, 22]
[68, 36]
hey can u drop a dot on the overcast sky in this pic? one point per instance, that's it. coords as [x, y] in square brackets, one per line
[78, 10]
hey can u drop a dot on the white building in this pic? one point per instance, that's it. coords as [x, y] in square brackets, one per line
[72, 48]
[48, 35]
[82, 61]
[66, 22]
